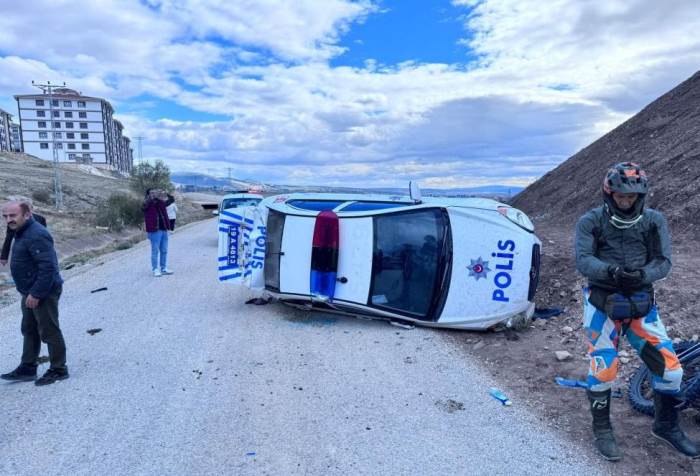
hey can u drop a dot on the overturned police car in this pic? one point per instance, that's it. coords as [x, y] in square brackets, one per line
[465, 263]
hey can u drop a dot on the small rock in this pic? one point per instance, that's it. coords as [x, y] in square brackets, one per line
[695, 338]
[562, 294]
[564, 340]
[479, 345]
[562, 355]
[567, 329]
[624, 360]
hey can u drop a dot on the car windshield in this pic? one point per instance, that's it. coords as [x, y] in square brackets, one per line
[407, 260]
[239, 202]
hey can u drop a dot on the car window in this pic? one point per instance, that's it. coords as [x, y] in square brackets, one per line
[239, 202]
[315, 205]
[369, 206]
[406, 258]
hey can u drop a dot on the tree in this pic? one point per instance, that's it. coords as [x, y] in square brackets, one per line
[145, 176]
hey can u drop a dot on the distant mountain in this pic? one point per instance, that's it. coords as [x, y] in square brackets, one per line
[201, 180]
[487, 190]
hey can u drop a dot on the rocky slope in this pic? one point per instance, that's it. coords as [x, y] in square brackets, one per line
[664, 138]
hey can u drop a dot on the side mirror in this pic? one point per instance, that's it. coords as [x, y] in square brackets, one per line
[414, 192]
[215, 212]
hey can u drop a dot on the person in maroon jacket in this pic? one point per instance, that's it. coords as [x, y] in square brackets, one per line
[156, 217]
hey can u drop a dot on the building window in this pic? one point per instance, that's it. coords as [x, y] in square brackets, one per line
[69, 125]
[71, 145]
[57, 114]
[81, 103]
[41, 114]
[39, 102]
[83, 125]
[86, 156]
[57, 125]
[68, 114]
[44, 145]
[85, 146]
[43, 135]
[67, 104]
[82, 114]
[70, 135]
[83, 135]
[42, 123]
[54, 103]
[58, 135]
[59, 145]
[71, 156]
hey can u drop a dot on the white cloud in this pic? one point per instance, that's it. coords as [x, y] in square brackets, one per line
[551, 77]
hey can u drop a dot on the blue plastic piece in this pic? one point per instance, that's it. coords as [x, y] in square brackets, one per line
[500, 396]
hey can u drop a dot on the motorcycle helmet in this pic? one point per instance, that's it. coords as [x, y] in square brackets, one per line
[625, 177]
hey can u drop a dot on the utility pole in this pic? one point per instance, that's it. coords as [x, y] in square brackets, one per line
[139, 139]
[47, 88]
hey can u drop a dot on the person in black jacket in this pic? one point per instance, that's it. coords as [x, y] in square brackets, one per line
[623, 248]
[34, 268]
[10, 234]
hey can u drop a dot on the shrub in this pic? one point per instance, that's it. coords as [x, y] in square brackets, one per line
[43, 196]
[119, 211]
[145, 176]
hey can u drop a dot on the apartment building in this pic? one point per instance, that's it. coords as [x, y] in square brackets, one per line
[6, 143]
[16, 133]
[81, 128]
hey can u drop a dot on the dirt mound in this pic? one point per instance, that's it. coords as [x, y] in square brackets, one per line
[664, 138]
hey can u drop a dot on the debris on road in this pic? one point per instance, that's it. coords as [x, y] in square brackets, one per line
[500, 396]
[562, 355]
[98, 290]
[258, 301]
[94, 331]
[565, 382]
[402, 325]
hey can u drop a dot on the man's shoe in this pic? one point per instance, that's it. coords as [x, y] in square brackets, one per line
[157, 273]
[604, 439]
[167, 271]
[23, 373]
[52, 376]
[666, 425]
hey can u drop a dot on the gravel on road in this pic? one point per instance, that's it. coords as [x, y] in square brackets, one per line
[184, 378]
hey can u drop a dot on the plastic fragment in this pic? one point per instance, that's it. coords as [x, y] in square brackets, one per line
[500, 396]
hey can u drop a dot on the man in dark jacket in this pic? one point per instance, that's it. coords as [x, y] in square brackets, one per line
[34, 268]
[10, 234]
[623, 248]
[157, 223]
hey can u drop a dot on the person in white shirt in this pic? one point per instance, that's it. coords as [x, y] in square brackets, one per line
[172, 214]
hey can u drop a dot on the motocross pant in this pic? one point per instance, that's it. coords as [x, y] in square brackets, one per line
[648, 337]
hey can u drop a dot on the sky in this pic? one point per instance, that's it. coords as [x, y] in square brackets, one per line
[450, 93]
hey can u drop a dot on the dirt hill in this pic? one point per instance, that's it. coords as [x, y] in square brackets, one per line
[73, 228]
[664, 138]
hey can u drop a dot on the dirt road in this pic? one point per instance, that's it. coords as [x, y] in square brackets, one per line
[184, 378]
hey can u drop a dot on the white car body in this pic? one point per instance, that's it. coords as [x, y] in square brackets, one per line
[483, 260]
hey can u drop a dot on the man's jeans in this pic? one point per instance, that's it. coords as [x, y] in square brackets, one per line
[159, 243]
[41, 325]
